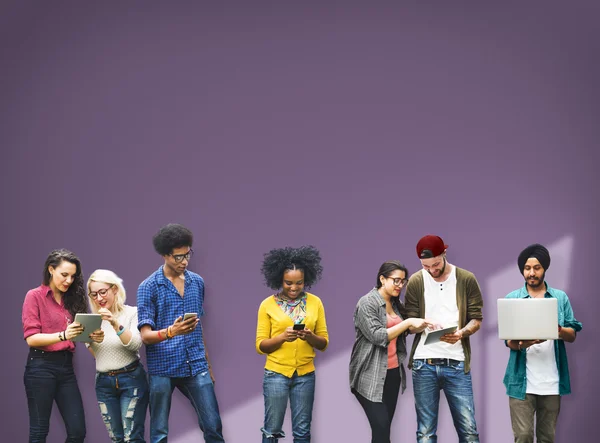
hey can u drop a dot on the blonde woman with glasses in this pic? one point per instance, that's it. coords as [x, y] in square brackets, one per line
[121, 382]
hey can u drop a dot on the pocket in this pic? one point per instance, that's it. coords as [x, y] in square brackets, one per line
[417, 364]
[270, 373]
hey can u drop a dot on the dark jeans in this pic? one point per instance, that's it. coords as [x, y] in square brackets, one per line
[49, 377]
[380, 414]
[545, 408]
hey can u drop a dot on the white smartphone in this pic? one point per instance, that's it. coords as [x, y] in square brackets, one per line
[189, 315]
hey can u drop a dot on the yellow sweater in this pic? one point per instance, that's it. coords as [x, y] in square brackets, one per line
[291, 356]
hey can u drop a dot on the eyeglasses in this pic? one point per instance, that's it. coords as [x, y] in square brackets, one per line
[399, 281]
[101, 292]
[179, 257]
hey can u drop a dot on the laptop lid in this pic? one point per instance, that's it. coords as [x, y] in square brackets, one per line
[528, 318]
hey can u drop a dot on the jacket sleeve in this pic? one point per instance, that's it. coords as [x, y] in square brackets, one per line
[366, 319]
[474, 300]
[411, 300]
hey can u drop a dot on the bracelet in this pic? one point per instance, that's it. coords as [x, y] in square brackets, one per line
[169, 335]
[121, 330]
[60, 336]
[160, 335]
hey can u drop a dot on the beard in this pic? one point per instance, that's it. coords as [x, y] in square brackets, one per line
[441, 270]
[536, 282]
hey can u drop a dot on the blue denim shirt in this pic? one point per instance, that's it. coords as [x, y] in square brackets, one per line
[515, 378]
[159, 304]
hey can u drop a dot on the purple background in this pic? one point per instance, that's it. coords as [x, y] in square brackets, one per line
[354, 128]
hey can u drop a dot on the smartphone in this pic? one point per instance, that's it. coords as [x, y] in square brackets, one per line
[299, 327]
[189, 315]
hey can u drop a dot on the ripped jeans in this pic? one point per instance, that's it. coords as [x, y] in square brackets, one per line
[123, 401]
[428, 381]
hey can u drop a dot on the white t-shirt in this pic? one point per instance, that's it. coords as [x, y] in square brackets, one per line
[440, 306]
[112, 354]
[542, 371]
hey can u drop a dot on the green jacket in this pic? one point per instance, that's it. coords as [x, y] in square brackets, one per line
[468, 300]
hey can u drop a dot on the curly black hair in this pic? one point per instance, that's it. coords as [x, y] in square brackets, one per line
[386, 270]
[75, 299]
[170, 237]
[277, 261]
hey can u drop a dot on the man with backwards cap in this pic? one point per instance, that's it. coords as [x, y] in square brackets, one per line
[449, 296]
[537, 373]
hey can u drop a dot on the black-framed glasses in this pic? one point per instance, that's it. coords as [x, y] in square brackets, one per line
[101, 292]
[179, 257]
[399, 281]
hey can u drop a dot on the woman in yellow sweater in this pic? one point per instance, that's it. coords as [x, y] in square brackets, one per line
[291, 325]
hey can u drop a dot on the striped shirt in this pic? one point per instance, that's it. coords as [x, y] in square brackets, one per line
[159, 304]
[369, 359]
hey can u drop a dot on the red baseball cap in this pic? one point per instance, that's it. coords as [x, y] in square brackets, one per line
[430, 246]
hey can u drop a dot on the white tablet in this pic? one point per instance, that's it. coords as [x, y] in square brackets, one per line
[434, 336]
[90, 323]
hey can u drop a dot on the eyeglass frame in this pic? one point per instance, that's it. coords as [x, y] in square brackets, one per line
[180, 257]
[102, 292]
[401, 281]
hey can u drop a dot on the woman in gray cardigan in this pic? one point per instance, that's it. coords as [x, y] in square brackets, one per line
[376, 363]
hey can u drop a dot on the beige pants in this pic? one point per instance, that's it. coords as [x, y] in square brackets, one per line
[545, 408]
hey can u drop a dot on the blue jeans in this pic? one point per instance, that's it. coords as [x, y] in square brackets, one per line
[49, 377]
[199, 389]
[428, 380]
[123, 401]
[277, 388]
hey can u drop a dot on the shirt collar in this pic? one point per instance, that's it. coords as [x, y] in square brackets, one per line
[377, 296]
[162, 280]
[547, 294]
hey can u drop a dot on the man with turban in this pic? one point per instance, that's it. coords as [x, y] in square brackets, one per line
[537, 373]
[448, 296]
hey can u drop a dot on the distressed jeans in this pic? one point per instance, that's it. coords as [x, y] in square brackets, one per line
[428, 381]
[277, 388]
[123, 401]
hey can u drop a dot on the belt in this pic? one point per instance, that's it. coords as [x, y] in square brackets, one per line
[129, 368]
[441, 361]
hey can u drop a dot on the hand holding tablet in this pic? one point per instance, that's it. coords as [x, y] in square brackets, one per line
[88, 324]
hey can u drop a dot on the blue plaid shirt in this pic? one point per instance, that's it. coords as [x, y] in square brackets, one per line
[159, 304]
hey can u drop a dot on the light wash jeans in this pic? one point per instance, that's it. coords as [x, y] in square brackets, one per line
[199, 390]
[277, 388]
[123, 402]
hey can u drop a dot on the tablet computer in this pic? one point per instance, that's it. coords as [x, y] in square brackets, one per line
[434, 336]
[90, 323]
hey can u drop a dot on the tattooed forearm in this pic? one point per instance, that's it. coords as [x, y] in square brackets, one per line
[471, 328]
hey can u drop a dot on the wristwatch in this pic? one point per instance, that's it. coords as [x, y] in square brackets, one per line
[121, 330]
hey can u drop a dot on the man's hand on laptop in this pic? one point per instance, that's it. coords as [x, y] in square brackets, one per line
[524, 344]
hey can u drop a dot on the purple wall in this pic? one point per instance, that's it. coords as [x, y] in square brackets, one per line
[356, 129]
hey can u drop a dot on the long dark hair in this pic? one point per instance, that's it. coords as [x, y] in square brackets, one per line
[386, 270]
[75, 298]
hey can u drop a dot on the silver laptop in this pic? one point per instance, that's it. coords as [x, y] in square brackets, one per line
[528, 318]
